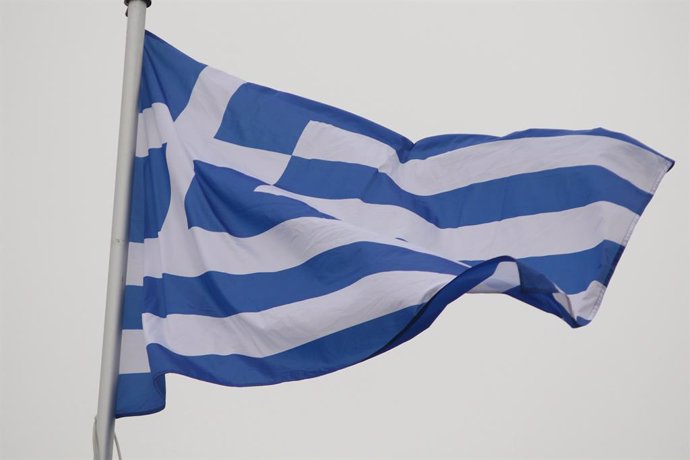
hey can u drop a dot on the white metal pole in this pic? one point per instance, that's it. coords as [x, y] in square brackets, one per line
[110, 359]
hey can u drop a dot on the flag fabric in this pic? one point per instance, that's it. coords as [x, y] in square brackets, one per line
[274, 238]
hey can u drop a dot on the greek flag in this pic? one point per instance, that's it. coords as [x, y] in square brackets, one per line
[274, 238]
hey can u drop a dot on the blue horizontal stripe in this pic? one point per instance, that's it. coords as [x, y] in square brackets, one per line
[267, 119]
[224, 200]
[575, 271]
[150, 195]
[167, 76]
[489, 201]
[321, 356]
[139, 394]
[220, 294]
[437, 145]
[132, 306]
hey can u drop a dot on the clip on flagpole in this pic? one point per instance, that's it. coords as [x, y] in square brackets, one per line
[110, 358]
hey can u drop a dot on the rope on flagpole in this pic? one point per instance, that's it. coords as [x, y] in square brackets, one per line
[110, 358]
[94, 440]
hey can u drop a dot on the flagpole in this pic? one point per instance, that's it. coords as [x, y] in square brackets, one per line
[110, 359]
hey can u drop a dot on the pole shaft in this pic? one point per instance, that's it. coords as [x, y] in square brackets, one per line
[110, 359]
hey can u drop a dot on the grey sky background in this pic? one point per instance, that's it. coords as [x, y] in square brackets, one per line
[493, 378]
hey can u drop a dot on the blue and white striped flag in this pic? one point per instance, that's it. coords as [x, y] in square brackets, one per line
[274, 238]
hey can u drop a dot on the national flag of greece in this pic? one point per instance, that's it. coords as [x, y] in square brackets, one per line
[274, 238]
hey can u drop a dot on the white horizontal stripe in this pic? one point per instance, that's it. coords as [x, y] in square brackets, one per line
[154, 128]
[504, 278]
[260, 334]
[135, 264]
[133, 357]
[482, 162]
[561, 232]
[583, 304]
[291, 243]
